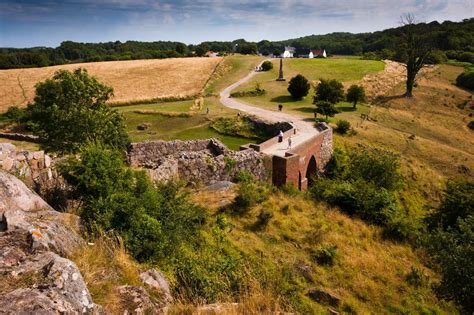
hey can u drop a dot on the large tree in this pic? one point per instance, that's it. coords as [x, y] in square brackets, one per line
[69, 110]
[355, 94]
[298, 87]
[331, 91]
[415, 48]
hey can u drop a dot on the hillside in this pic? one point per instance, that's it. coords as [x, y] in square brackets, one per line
[131, 80]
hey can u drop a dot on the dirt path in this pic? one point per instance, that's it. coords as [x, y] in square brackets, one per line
[305, 128]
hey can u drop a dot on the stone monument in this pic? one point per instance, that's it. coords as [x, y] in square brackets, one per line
[280, 76]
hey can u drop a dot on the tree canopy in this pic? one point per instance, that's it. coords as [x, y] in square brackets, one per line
[298, 87]
[331, 91]
[69, 110]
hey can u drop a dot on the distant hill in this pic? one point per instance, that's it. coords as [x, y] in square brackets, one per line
[454, 38]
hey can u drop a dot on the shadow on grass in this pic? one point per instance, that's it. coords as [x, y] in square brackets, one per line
[283, 99]
[306, 109]
[383, 100]
[346, 108]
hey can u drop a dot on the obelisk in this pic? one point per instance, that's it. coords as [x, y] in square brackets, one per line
[280, 77]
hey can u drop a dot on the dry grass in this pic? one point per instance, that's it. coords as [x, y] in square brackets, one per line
[370, 273]
[106, 266]
[132, 80]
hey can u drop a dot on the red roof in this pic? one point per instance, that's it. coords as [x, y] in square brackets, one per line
[318, 52]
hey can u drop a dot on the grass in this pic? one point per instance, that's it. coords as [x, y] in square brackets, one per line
[164, 127]
[347, 70]
[232, 69]
[132, 80]
[105, 266]
[369, 274]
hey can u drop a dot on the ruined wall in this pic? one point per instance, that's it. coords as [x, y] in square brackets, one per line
[197, 161]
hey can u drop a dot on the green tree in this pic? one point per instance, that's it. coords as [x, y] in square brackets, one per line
[355, 94]
[267, 65]
[331, 91]
[298, 87]
[326, 108]
[466, 80]
[69, 110]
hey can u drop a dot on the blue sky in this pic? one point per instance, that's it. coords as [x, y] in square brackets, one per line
[26, 23]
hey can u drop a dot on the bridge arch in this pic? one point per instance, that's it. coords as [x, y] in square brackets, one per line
[311, 170]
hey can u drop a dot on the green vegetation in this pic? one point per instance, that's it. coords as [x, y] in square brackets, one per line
[343, 127]
[69, 110]
[450, 243]
[466, 79]
[267, 65]
[355, 94]
[257, 91]
[331, 91]
[298, 87]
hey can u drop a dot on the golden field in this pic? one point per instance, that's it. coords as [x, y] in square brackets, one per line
[132, 80]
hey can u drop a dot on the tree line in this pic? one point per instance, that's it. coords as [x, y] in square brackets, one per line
[454, 39]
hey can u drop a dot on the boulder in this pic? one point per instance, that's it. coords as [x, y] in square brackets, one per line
[324, 297]
[157, 281]
[34, 278]
[136, 300]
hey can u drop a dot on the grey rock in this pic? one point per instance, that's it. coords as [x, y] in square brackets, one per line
[136, 300]
[7, 147]
[322, 296]
[157, 281]
[220, 186]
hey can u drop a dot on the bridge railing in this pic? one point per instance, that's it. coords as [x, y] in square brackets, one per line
[270, 142]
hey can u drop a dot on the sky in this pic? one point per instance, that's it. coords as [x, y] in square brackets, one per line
[29, 23]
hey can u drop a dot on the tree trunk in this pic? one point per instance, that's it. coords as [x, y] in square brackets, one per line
[354, 104]
[410, 82]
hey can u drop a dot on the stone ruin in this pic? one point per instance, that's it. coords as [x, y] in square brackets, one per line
[197, 161]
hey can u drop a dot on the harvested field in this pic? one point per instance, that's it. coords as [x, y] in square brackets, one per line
[132, 80]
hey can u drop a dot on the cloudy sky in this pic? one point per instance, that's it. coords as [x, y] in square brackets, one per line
[26, 23]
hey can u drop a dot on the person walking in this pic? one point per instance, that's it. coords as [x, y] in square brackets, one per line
[280, 136]
[207, 110]
[289, 143]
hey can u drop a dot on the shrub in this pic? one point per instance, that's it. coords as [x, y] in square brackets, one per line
[15, 113]
[267, 65]
[263, 219]
[452, 250]
[466, 80]
[249, 194]
[331, 91]
[470, 125]
[153, 221]
[326, 255]
[436, 57]
[416, 278]
[457, 203]
[244, 176]
[257, 91]
[343, 126]
[298, 87]
[69, 110]
[355, 94]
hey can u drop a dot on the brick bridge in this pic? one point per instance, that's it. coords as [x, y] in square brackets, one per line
[306, 159]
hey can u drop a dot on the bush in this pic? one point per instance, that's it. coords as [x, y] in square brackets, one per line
[298, 87]
[452, 250]
[69, 110]
[249, 194]
[470, 125]
[263, 219]
[466, 80]
[416, 278]
[436, 57]
[343, 126]
[267, 65]
[15, 114]
[457, 203]
[153, 221]
[326, 255]
[255, 92]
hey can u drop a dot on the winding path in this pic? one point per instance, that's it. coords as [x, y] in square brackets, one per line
[305, 129]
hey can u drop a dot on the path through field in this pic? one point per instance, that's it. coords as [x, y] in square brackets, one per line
[304, 126]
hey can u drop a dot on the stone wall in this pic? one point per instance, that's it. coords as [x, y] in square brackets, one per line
[197, 161]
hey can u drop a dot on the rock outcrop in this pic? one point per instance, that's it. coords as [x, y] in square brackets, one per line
[35, 277]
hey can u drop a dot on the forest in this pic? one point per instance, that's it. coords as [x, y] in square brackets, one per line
[454, 39]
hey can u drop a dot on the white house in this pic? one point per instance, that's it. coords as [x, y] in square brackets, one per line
[289, 52]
